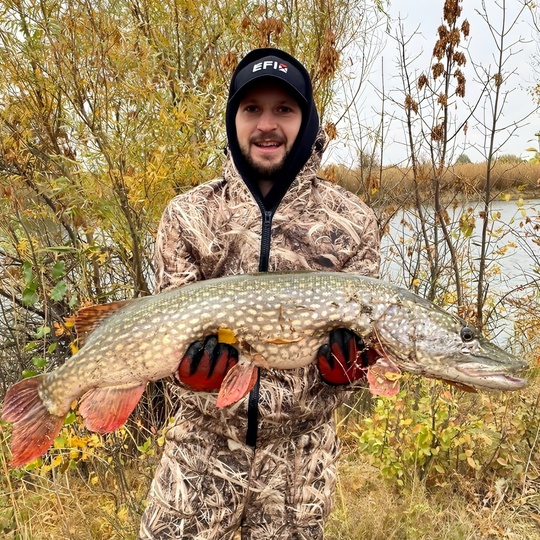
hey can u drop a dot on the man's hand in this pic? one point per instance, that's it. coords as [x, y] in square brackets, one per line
[344, 359]
[205, 365]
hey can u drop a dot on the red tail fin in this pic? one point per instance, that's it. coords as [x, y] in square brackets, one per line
[34, 428]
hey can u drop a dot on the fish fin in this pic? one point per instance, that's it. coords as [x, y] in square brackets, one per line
[237, 383]
[107, 409]
[87, 319]
[383, 378]
[34, 427]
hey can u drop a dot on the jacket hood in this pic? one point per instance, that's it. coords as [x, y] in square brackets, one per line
[281, 66]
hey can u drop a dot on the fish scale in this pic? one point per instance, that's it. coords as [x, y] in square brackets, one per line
[275, 320]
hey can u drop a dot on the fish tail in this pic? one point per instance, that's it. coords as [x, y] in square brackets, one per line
[34, 427]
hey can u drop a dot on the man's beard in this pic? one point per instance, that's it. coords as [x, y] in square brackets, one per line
[264, 171]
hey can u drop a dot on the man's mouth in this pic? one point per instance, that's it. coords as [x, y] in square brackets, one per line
[267, 143]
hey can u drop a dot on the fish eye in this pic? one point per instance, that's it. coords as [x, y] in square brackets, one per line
[467, 333]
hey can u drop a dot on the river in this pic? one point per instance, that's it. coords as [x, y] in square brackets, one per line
[513, 254]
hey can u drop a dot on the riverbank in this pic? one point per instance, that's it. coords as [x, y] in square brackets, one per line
[463, 182]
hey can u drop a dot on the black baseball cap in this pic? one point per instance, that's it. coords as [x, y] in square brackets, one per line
[271, 67]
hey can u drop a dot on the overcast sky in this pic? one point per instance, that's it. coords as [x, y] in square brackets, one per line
[425, 16]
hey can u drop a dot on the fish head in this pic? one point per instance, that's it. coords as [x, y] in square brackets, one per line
[424, 339]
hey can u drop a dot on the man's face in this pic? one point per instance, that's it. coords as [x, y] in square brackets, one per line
[267, 123]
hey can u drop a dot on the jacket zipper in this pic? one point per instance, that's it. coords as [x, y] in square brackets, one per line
[253, 400]
[266, 235]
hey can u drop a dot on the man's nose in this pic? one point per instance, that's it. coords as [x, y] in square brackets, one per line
[267, 121]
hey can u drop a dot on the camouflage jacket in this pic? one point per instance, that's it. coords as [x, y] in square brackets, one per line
[215, 229]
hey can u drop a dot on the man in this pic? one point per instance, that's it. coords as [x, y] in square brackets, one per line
[266, 465]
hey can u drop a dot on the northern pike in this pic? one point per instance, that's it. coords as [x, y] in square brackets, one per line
[275, 320]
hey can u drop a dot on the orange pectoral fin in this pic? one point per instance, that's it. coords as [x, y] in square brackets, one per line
[107, 409]
[383, 378]
[34, 428]
[237, 383]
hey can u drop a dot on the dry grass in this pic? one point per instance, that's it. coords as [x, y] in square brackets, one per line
[368, 508]
[472, 506]
[64, 507]
[91, 502]
[69, 506]
[466, 181]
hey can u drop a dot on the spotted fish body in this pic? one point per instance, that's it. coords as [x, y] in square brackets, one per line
[275, 321]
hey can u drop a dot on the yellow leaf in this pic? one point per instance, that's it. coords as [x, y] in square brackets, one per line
[226, 336]
[22, 246]
[123, 514]
[69, 322]
[57, 460]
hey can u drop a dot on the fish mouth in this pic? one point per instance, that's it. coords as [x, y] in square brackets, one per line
[475, 376]
[489, 380]
[488, 369]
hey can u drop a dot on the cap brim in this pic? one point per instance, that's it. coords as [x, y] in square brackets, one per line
[300, 98]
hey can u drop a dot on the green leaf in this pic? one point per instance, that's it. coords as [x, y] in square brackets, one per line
[27, 373]
[59, 291]
[57, 249]
[70, 418]
[39, 362]
[58, 270]
[29, 276]
[31, 345]
[42, 332]
[29, 296]
[60, 441]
